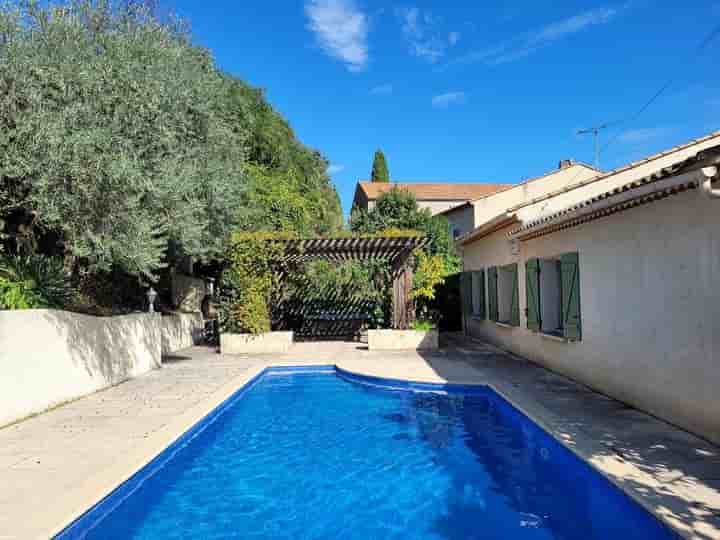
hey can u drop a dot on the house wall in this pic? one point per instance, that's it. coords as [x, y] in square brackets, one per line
[498, 203]
[650, 304]
[560, 200]
[360, 200]
[48, 357]
[435, 206]
[463, 219]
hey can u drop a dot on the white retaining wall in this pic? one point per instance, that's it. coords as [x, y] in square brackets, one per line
[267, 343]
[180, 331]
[48, 357]
[399, 340]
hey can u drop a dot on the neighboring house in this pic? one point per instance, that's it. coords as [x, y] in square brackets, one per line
[436, 197]
[613, 281]
[465, 217]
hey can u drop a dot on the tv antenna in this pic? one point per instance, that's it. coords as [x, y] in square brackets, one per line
[595, 131]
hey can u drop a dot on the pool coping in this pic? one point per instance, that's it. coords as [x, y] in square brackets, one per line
[93, 516]
[131, 474]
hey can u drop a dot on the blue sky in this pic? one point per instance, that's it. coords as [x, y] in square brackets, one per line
[464, 92]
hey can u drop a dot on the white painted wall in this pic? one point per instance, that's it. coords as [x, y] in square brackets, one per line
[181, 330]
[560, 201]
[650, 299]
[399, 340]
[494, 205]
[462, 218]
[267, 343]
[48, 357]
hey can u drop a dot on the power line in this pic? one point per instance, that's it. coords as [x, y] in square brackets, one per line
[704, 44]
[695, 54]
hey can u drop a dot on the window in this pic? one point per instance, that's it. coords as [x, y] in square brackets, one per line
[503, 294]
[553, 296]
[455, 232]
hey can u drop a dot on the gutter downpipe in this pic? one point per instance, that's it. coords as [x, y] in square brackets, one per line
[707, 174]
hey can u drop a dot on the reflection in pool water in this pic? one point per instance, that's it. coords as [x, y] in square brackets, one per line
[314, 456]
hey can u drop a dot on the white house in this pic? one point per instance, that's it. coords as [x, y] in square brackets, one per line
[437, 197]
[612, 280]
[464, 217]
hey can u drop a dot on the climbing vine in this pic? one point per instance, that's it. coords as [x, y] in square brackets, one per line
[249, 281]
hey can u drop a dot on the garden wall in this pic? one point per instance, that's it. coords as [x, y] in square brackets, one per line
[180, 331]
[48, 357]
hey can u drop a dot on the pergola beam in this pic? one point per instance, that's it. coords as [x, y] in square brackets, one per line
[396, 250]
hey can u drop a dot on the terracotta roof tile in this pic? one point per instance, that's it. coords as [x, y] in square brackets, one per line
[435, 192]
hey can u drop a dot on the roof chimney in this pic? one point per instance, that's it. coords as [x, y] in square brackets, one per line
[565, 163]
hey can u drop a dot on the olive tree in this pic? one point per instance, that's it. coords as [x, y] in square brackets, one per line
[116, 132]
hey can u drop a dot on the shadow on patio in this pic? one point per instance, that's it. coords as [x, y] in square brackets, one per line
[669, 470]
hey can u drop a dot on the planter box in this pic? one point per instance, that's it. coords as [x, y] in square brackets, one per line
[270, 342]
[402, 340]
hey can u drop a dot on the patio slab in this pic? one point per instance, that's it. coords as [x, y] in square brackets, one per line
[56, 465]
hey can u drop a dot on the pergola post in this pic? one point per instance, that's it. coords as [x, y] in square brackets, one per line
[403, 306]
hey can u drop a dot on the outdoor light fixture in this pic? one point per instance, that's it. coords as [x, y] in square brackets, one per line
[151, 296]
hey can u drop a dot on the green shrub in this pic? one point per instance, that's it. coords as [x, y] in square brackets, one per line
[33, 282]
[249, 282]
[424, 325]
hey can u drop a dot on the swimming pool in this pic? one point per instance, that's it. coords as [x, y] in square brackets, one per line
[308, 453]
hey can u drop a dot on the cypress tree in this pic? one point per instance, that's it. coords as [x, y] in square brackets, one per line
[379, 169]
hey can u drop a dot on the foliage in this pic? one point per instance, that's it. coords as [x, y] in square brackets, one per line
[323, 279]
[398, 210]
[109, 293]
[286, 178]
[279, 200]
[430, 272]
[121, 136]
[32, 282]
[380, 171]
[249, 282]
[424, 325]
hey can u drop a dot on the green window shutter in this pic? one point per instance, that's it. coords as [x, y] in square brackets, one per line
[570, 269]
[492, 293]
[515, 302]
[481, 294]
[466, 294]
[532, 291]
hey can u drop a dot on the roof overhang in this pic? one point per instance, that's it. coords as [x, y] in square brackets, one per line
[660, 185]
[662, 155]
[453, 208]
[497, 223]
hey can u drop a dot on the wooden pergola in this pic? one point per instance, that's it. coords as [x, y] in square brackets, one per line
[396, 250]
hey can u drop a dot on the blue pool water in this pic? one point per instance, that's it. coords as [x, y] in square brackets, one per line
[317, 456]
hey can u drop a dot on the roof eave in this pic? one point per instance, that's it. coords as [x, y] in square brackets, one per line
[497, 223]
[657, 186]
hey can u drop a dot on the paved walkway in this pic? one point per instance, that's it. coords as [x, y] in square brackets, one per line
[56, 465]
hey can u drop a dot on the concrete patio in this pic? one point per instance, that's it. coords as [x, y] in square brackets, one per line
[57, 464]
